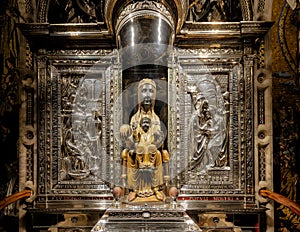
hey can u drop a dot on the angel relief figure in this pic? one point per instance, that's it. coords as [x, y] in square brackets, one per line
[143, 157]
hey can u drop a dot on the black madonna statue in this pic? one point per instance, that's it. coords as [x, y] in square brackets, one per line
[144, 160]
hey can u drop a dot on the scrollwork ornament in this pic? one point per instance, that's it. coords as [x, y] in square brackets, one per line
[210, 53]
[91, 53]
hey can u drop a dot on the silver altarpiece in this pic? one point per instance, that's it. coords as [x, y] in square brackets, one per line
[70, 150]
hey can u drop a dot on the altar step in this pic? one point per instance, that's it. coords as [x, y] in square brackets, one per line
[145, 217]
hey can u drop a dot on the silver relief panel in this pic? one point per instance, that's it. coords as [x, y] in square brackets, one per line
[206, 125]
[74, 113]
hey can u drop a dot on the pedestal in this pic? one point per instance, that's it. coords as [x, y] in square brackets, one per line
[145, 217]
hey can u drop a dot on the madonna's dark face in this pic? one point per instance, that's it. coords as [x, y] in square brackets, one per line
[147, 96]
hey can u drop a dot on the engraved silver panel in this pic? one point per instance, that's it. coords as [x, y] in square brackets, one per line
[74, 126]
[225, 174]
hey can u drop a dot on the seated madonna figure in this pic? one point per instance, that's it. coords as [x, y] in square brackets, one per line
[143, 158]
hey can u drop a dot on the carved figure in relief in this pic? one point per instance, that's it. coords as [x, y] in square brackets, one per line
[82, 11]
[203, 129]
[82, 132]
[207, 11]
[77, 148]
[222, 159]
[93, 126]
[143, 157]
[207, 129]
[81, 103]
